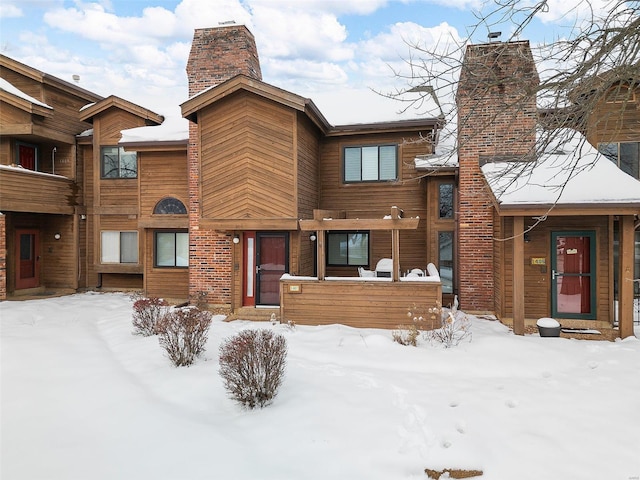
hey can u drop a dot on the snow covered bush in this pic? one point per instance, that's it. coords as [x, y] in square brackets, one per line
[147, 312]
[252, 365]
[183, 333]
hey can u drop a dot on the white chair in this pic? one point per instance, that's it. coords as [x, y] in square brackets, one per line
[433, 271]
[363, 272]
[416, 272]
[384, 267]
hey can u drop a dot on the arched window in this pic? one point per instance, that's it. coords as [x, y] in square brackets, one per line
[170, 205]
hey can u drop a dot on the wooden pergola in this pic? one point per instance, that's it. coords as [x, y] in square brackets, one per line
[327, 220]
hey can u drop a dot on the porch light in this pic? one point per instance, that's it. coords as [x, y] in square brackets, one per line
[57, 236]
[236, 239]
[313, 237]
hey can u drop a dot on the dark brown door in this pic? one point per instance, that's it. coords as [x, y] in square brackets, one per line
[272, 261]
[27, 259]
[27, 156]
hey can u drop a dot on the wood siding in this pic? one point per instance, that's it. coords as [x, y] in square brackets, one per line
[615, 121]
[169, 283]
[247, 157]
[162, 174]
[363, 304]
[538, 278]
[26, 191]
[374, 199]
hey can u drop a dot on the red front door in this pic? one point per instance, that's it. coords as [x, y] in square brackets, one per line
[272, 261]
[27, 258]
[27, 156]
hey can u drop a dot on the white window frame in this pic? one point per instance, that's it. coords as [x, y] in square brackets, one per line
[111, 247]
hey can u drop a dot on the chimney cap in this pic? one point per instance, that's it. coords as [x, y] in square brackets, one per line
[494, 35]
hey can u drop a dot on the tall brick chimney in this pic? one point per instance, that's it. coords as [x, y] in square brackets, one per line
[497, 116]
[217, 54]
[220, 53]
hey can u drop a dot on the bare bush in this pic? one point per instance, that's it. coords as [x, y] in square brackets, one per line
[147, 312]
[183, 334]
[455, 327]
[252, 365]
[406, 335]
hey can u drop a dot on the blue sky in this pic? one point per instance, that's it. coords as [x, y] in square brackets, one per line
[137, 49]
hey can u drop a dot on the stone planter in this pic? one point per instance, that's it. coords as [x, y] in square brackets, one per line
[548, 327]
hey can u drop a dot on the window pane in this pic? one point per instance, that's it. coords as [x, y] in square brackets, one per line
[165, 249]
[129, 247]
[445, 260]
[128, 164]
[629, 158]
[358, 249]
[110, 164]
[110, 247]
[388, 164]
[337, 248]
[182, 249]
[352, 165]
[445, 196]
[369, 163]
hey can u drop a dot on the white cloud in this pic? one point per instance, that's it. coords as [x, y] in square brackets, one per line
[8, 10]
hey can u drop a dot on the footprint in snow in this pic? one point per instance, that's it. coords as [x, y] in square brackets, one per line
[511, 403]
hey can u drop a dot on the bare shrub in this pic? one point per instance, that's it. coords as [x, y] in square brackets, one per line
[406, 335]
[455, 327]
[252, 365]
[183, 334]
[147, 312]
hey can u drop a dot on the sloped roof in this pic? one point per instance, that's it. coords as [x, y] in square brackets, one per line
[570, 173]
[16, 97]
[88, 112]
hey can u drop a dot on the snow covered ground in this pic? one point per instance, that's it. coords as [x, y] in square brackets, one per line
[83, 398]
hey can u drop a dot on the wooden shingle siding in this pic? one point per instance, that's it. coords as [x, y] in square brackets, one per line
[247, 159]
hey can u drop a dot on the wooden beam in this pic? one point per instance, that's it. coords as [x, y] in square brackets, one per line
[396, 214]
[320, 239]
[518, 275]
[249, 223]
[625, 277]
[359, 224]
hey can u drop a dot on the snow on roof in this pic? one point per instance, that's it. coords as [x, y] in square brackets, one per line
[569, 171]
[172, 129]
[7, 87]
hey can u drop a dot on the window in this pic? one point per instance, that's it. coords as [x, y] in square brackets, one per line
[370, 164]
[348, 248]
[116, 163]
[119, 247]
[445, 200]
[172, 249]
[170, 206]
[625, 155]
[27, 155]
[445, 260]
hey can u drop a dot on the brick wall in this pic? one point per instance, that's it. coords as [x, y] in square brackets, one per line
[497, 115]
[217, 54]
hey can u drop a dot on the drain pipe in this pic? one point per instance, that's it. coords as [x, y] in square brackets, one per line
[53, 160]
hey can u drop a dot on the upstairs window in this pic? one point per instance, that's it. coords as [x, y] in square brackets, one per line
[625, 155]
[116, 163]
[27, 156]
[118, 247]
[170, 206]
[378, 163]
[348, 249]
[445, 200]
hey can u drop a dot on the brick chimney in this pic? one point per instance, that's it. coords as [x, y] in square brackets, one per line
[497, 116]
[220, 53]
[217, 54]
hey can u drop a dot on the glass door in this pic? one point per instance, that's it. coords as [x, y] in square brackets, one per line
[27, 259]
[573, 280]
[272, 261]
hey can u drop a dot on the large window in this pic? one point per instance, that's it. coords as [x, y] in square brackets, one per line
[118, 247]
[116, 163]
[172, 249]
[370, 164]
[348, 248]
[625, 155]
